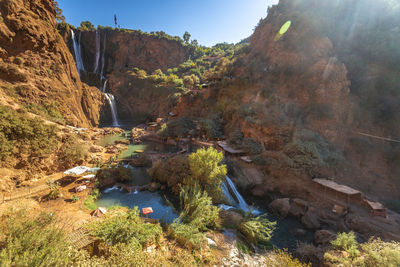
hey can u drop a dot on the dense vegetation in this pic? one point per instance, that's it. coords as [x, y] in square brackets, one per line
[202, 167]
[22, 134]
[348, 252]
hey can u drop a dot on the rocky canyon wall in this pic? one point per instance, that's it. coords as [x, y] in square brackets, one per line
[37, 67]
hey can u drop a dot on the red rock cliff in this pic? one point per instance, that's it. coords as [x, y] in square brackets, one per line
[36, 66]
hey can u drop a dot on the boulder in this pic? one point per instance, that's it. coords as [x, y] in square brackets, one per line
[230, 218]
[280, 206]
[324, 237]
[211, 243]
[258, 191]
[96, 149]
[298, 207]
[310, 219]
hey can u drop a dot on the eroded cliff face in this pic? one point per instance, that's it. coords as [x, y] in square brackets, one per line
[112, 54]
[129, 49]
[293, 96]
[36, 66]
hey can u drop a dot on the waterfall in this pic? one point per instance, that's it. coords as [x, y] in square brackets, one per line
[227, 194]
[96, 62]
[77, 51]
[242, 203]
[102, 57]
[113, 106]
[103, 89]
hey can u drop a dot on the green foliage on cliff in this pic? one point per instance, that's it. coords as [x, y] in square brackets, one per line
[86, 26]
[73, 151]
[21, 133]
[47, 110]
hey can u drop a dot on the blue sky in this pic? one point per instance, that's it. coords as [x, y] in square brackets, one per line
[208, 21]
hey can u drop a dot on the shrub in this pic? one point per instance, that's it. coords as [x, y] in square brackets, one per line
[73, 150]
[348, 252]
[211, 128]
[126, 227]
[207, 170]
[236, 138]
[172, 172]
[198, 209]
[48, 111]
[379, 253]
[119, 173]
[54, 190]
[177, 128]
[32, 241]
[346, 242]
[6, 146]
[258, 230]
[251, 146]
[29, 135]
[186, 235]
[280, 258]
[90, 201]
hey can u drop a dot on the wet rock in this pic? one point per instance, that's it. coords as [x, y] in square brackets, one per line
[310, 219]
[280, 206]
[230, 218]
[324, 237]
[298, 207]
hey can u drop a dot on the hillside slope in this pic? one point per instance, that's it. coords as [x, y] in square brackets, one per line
[36, 68]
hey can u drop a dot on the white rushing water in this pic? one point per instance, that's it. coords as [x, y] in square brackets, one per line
[227, 194]
[103, 89]
[241, 202]
[113, 106]
[77, 51]
[103, 57]
[97, 58]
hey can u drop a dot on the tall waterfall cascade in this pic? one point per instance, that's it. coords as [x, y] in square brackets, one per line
[113, 106]
[80, 66]
[103, 57]
[97, 58]
[78, 52]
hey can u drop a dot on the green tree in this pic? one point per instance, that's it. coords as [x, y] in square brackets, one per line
[186, 37]
[206, 168]
[195, 43]
[59, 16]
[87, 26]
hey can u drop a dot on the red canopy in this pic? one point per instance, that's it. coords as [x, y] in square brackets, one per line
[147, 210]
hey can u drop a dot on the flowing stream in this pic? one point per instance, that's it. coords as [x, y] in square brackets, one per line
[78, 52]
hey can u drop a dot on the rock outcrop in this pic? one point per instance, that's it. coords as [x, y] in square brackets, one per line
[36, 67]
